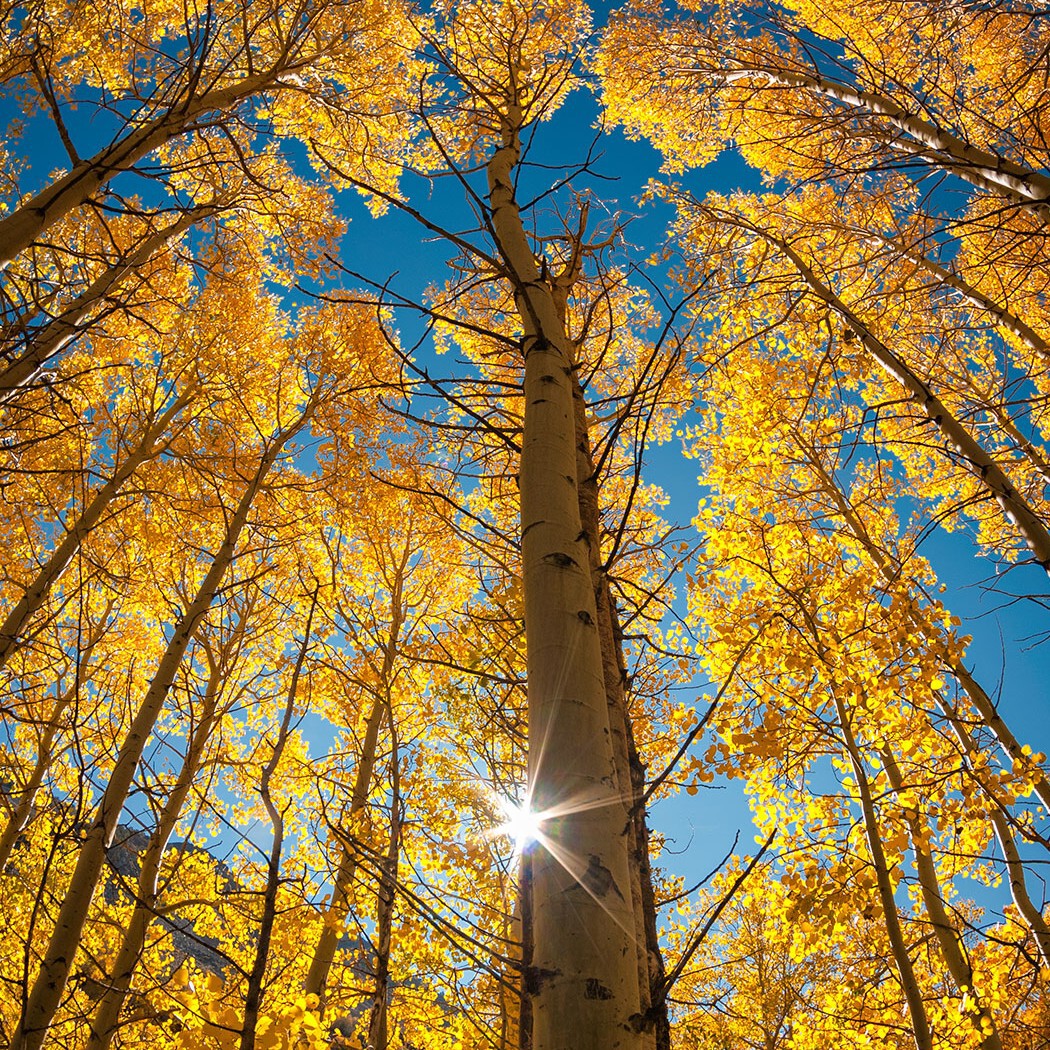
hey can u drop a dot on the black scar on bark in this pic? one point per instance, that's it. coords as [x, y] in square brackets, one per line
[596, 990]
[535, 977]
[598, 879]
[560, 559]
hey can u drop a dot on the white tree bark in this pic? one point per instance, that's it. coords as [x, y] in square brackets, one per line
[47, 341]
[35, 215]
[583, 979]
[940, 148]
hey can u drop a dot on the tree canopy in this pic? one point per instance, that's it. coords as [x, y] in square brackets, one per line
[366, 644]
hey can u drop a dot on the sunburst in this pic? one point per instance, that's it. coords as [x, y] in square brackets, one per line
[520, 823]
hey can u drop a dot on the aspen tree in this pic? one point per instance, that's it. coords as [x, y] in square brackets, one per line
[35, 595]
[379, 708]
[623, 368]
[105, 1022]
[254, 992]
[46, 749]
[583, 981]
[1029, 524]
[228, 58]
[948, 938]
[744, 74]
[47, 990]
[386, 896]
[32, 349]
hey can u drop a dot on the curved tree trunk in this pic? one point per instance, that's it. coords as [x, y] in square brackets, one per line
[890, 569]
[336, 911]
[35, 216]
[948, 937]
[939, 148]
[17, 620]
[1029, 524]
[107, 1013]
[254, 993]
[42, 344]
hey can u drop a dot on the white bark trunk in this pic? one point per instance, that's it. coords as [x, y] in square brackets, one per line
[583, 981]
[948, 937]
[979, 167]
[34, 216]
[44, 343]
[1017, 510]
[107, 1013]
[336, 912]
[884, 885]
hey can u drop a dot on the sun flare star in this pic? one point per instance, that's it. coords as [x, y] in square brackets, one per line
[520, 824]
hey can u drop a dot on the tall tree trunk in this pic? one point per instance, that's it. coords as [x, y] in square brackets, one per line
[254, 992]
[335, 914]
[42, 344]
[35, 595]
[525, 984]
[1015, 874]
[629, 771]
[1015, 507]
[23, 808]
[948, 937]
[891, 570]
[920, 1022]
[107, 1013]
[385, 900]
[48, 988]
[583, 981]
[1003, 315]
[35, 216]
[1015, 869]
[939, 148]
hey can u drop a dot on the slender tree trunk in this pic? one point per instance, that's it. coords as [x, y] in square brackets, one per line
[990, 717]
[583, 981]
[23, 808]
[629, 771]
[1015, 873]
[254, 992]
[48, 988]
[884, 885]
[335, 913]
[385, 900]
[1028, 523]
[107, 1013]
[17, 620]
[524, 998]
[891, 571]
[1015, 869]
[33, 217]
[1003, 315]
[948, 938]
[941, 149]
[44, 343]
